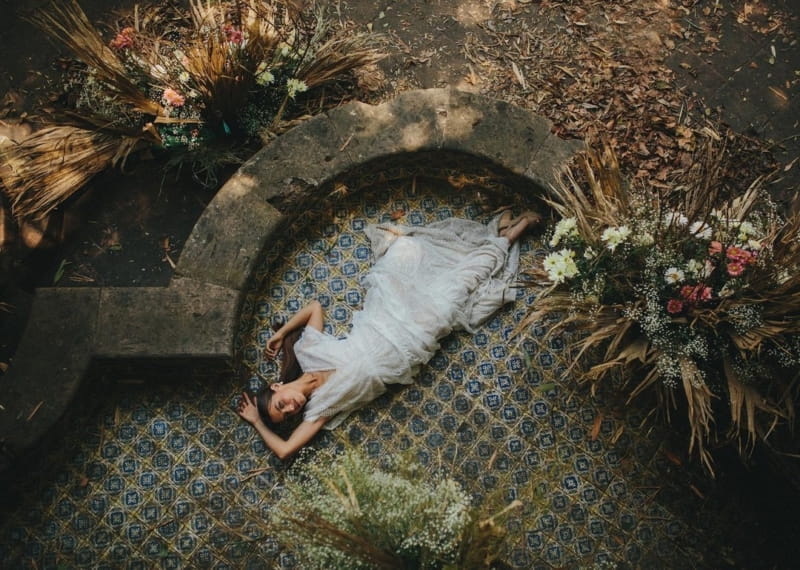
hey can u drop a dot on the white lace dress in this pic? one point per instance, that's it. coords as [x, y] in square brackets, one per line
[426, 281]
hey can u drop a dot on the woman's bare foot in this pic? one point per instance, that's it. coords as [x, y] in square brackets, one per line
[520, 225]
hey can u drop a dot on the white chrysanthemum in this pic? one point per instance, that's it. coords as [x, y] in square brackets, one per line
[566, 227]
[295, 86]
[694, 267]
[589, 253]
[746, 231]
[674, 275]
[184, 77]
[701, 230]
[560, 266]
[708, 269]
[754, 244]
[613, 237]
[675, 219]
[265, 77]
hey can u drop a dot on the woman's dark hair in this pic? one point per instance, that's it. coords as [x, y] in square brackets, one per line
[290, 370]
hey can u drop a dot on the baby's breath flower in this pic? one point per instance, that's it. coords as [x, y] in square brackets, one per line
[643, 239]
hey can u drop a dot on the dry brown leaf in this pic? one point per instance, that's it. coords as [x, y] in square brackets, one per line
[697, 492]
[598, 422]
[673, 458]
[35, 409]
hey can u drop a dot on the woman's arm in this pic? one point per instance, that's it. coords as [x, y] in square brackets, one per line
[282, 448]
[311, 315]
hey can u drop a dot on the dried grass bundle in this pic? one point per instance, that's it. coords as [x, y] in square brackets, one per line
[339, 56]
[66, 22]
[693, 292]
[183, 78]
[46, 168]
[347, 511]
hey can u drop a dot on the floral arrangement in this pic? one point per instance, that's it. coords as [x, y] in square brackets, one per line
[349, 512]
[186, 78]
[691, 293]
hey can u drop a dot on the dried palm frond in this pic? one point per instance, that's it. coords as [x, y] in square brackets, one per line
[46, 168]
[337, 57]
[65, 21]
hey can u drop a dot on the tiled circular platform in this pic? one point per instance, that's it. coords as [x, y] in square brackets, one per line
[164, 474]
[170, 477]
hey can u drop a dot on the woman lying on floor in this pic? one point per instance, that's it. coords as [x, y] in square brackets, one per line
[426, 281]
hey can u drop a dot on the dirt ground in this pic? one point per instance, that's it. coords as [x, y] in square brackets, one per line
[656, 79]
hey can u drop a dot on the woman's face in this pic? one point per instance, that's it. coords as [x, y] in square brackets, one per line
[286, 401]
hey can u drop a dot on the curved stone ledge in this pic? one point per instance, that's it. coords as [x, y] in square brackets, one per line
[73, 331]
[233, 230]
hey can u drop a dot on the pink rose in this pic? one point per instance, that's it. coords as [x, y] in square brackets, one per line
[735, 269]
[173, 98]
[714, 247]
[232, 34]
[123, 39]
[695, 293]
[674, 306]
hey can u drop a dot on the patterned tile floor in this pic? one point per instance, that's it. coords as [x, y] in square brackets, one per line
[168, 476]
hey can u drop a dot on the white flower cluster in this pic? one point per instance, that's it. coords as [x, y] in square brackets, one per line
[263, 75]
[745, 317]
[701, 230]
[295, 86]
[560, 266]
[675, 219]
[674, 275]
[614, 237]
[565, 228]
[420, 518]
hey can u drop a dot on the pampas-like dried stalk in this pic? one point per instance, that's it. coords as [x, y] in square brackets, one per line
[66, 22]
[46, 168]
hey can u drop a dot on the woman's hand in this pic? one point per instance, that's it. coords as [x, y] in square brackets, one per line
[248, 409]
[273, 345]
